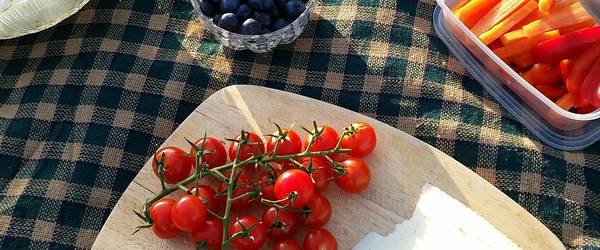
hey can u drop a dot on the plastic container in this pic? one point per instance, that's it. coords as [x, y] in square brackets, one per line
[553, 125]
[256, 43]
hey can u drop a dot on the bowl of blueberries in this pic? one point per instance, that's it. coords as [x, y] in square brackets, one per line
[257, 25]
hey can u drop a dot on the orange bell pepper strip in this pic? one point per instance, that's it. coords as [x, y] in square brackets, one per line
[519, 47]
[590, 89]
[577, 27]
[459, 5]
[542, 74]
[568, 16]
[501, 11]
[545, 6]
[499, 29]
[471, 12]
[512, 36]
[553, 92]
[581, 66]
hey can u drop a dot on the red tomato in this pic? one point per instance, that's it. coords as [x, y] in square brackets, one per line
[243, 185]
[267, 181]
[321, 172]
[210, 234]
[320, 211]
[295, 180]
[248, 150]
[291, 144]
[213, 159]
[287, 244]
[177, 164]
[208, 196]
[362, 141]
[162, 225]
[286, 223]
[319, 239]
[257, 234]
[341, 157]
[327, 140]
[189, 213]
[357, 176]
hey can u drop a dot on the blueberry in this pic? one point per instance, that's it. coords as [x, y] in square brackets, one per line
[229, 21]
[229, 5]
[263, 18]
[216, 18]
[208, 8]
[281, 3]
[294, 8]
[244, 11]
[275, 13]
[279, 24]
[261, 4]
[250, 27]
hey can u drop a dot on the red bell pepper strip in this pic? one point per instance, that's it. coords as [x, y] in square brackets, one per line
[553, 92]
[542, 74]
[581, 67]
[590, 89]
[565, 66]
[564, 46]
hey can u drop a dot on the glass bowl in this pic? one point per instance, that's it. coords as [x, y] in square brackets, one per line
[256, 43]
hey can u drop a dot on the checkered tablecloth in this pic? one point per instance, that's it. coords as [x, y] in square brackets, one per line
[83, 104]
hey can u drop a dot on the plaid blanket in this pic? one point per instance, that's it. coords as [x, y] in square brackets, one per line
[83, 104]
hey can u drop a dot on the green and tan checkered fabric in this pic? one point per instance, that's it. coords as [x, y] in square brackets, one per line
[83, 104]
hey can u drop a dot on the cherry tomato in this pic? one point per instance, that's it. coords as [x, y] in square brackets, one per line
[362, 140]
[177, 164]
[327, 140]
[208, 196]
[211, 234]
[267, 181]
[189, 213]
[243, 185]
[213, 159]
[341, 157]
[257, 234]
[357, 176]
[248, 150]
[286, 223]
[321, 172]
[320, 211]
[287, 244]
[291, 144]
[295, 180]
[319, 239]
[160, 212]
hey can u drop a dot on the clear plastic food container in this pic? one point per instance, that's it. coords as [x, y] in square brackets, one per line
[553, 125]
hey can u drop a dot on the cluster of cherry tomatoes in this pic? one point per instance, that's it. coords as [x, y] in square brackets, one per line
[289, 187]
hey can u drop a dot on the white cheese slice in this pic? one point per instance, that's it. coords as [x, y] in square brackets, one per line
[440, 222]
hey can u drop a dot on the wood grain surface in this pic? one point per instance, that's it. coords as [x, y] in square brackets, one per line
[401, 165]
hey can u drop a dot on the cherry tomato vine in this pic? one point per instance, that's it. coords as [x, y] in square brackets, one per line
[292, 175]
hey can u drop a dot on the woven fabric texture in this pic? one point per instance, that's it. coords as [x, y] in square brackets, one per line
[84, 104]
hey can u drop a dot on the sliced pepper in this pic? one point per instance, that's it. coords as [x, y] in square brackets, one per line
[590, 89]
[553, 92]
[565, 66]
[518, 47]
[542, 74]
[567, 101]
[581, 67]
[562, 47]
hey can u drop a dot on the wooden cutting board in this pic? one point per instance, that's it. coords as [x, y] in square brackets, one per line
[401, 165]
